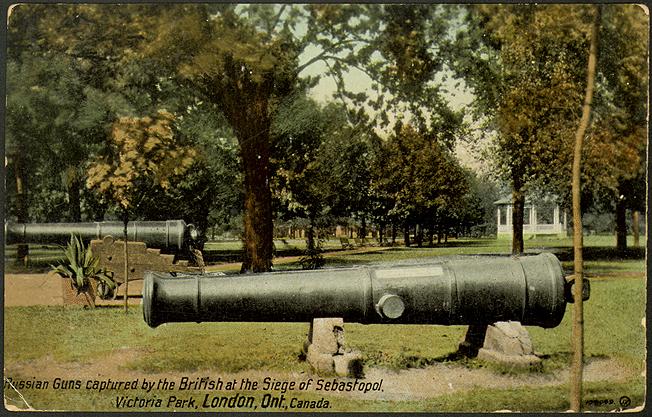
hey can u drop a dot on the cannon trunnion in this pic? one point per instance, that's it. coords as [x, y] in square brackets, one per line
[471, 291]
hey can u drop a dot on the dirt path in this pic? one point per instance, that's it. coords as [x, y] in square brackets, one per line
[32, 289]
[235, 266]
[45, 289]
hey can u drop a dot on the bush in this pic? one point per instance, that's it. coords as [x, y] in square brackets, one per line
[80, 266]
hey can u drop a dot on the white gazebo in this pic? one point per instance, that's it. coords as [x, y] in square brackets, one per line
[543, 217]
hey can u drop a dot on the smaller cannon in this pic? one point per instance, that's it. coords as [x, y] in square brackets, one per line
[471, 291]
[173, 235]
[147, 239]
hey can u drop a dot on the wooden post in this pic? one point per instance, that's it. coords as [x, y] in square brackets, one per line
[578, 308]
[635, 227]
[22, 249]
[126, 253]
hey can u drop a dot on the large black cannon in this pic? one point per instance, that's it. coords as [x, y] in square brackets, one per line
[172, 235]
[470, 291]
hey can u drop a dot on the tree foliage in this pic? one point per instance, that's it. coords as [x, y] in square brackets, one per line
[245, 60]
[47, 130]
[143, 153]
[424, 183]
[617, 142]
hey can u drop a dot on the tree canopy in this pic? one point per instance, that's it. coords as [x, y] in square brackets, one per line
[527, 69]
[235, 79]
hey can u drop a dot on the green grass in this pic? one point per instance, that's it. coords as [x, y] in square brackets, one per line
[613, 330]
[70, 334]
[75, 336]
[613, 327]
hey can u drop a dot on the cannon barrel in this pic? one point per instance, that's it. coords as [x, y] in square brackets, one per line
[474, 290]
[168, 234]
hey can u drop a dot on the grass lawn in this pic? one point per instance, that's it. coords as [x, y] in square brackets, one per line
[67, 342]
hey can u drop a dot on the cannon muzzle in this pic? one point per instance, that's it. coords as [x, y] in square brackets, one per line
[169, 234]
[469, 291]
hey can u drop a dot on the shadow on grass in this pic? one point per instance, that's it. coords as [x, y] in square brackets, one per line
[342, 261]
[218, 256]
[451, 244]
[34, 266]
[394, 255]
[601, 253]
[212, 256]
[399, 362]
[550, 363]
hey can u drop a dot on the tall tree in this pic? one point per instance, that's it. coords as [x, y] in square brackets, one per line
[516, 59]
[46, 129]
[244, 64]
[302, 131]
[67, 84]
[244, 60]
[616, 146]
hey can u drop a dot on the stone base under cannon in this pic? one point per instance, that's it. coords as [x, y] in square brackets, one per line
[324, 349]
[504, 342]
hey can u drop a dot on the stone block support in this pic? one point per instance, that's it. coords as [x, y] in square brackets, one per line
[325, 351]
[505, 342]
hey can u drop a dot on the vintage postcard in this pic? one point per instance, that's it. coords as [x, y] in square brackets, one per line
[275, 207]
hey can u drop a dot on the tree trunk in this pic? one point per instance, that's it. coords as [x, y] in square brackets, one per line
[621, 225]
[393, 234]
[258, 221]
[381, 232]
[578, 264]
[74, 200]
[310, 237]
[22, 250]
[431, 236]
[518, 210]
[635, 227]
[406, 235]
[418, 230]
[363, 228]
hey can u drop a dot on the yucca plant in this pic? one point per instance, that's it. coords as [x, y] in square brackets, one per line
[81, 267]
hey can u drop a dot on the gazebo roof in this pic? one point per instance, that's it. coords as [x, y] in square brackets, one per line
[508, 200]
[504, 200]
